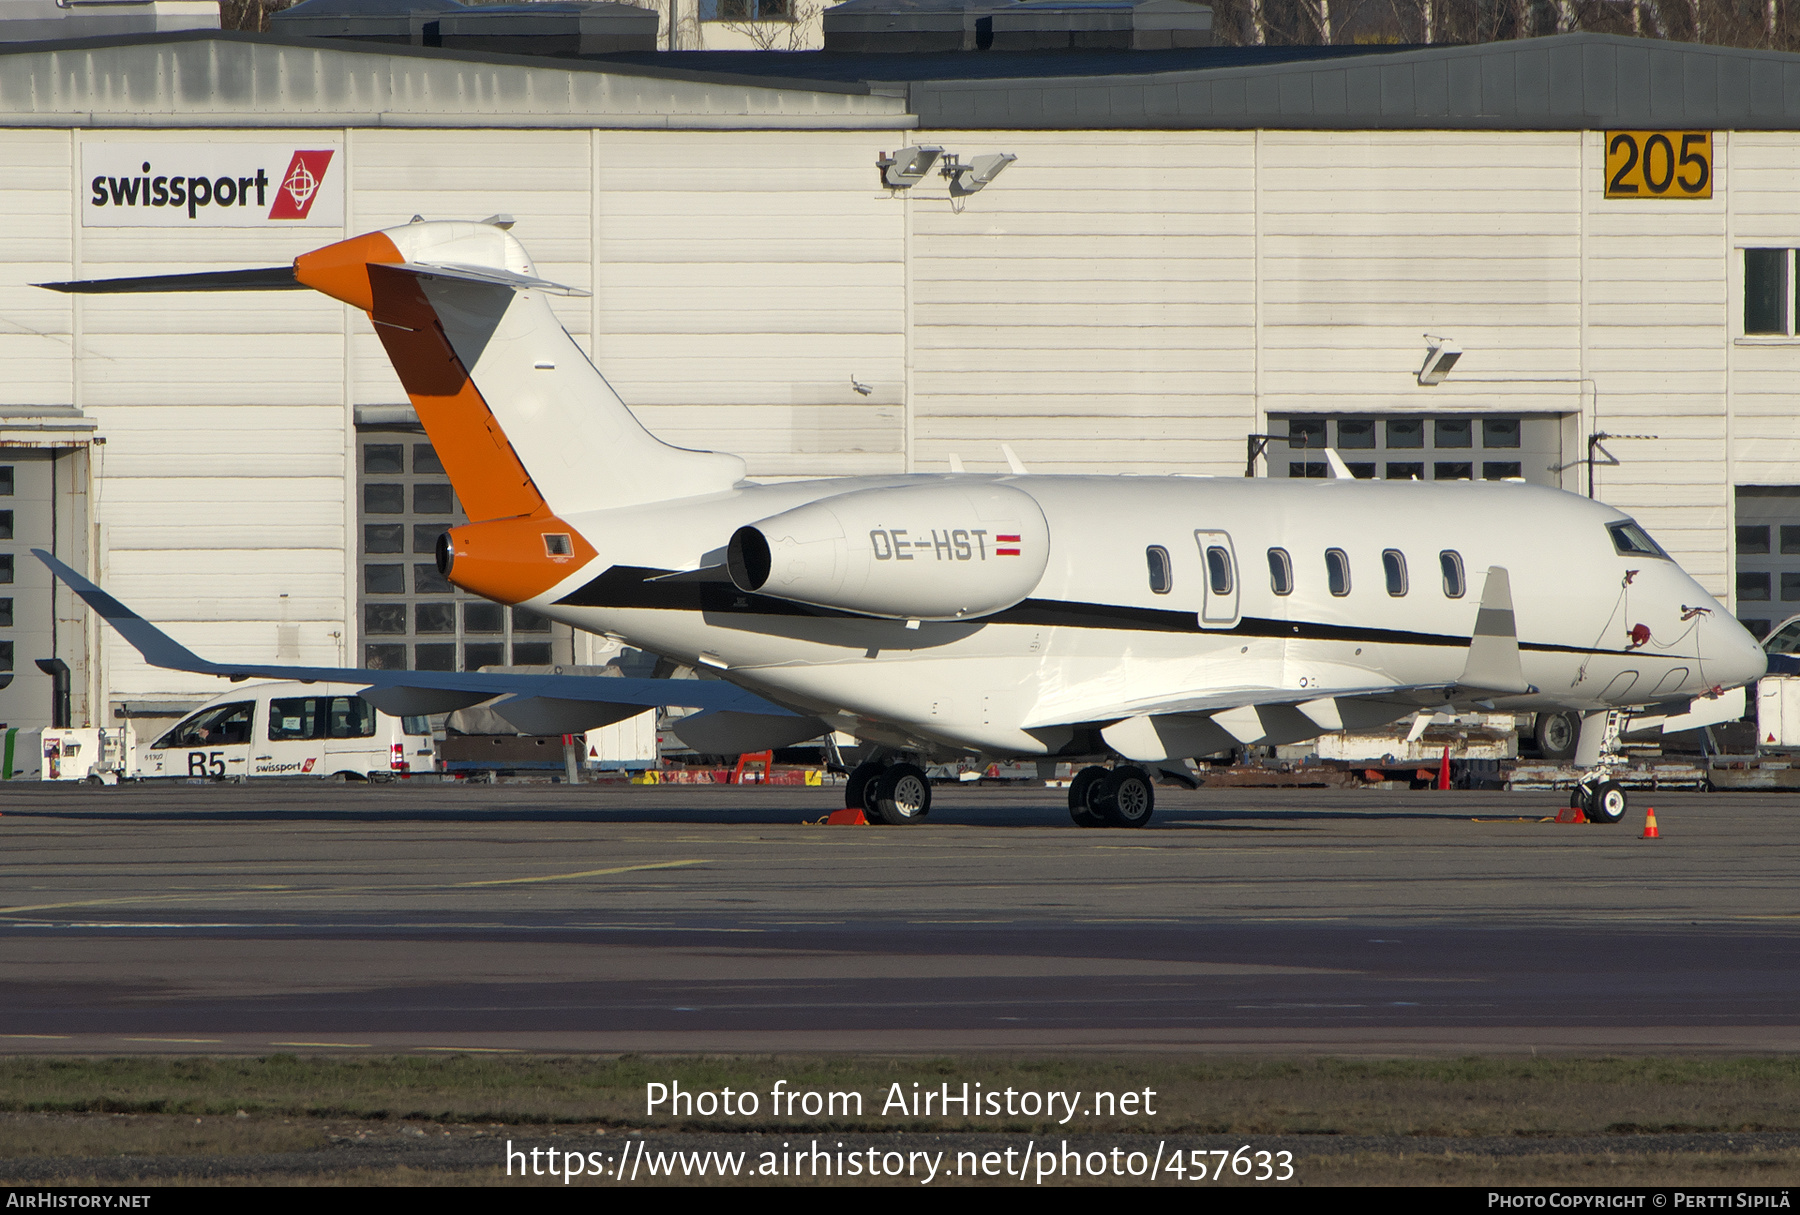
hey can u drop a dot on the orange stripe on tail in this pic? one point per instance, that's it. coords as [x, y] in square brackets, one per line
[487, 474]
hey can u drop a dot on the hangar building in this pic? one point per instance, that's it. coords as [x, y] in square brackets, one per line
[1194, 246]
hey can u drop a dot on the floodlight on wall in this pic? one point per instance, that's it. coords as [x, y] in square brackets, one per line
[907, 167]
[1440, 356]
[968, 178]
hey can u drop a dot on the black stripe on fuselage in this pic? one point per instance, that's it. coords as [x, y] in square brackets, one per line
[632, 586]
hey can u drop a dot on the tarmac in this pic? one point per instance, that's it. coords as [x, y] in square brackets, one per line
[215, 919]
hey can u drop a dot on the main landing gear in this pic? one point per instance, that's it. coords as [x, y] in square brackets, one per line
[1600, 801]
[1111, 797]
[894, 794]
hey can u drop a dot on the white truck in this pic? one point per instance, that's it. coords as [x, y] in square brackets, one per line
[1778, 692]
[288, 729]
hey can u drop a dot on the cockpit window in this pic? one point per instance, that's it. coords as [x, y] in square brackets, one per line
[1633, 541]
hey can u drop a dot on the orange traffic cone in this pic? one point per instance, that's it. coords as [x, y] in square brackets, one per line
[1443, 781]
[1650, 831]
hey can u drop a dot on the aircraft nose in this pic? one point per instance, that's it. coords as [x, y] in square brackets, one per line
[1733, 656]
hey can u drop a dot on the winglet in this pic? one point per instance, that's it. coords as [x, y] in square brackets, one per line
[158, 648]
[1493, 662]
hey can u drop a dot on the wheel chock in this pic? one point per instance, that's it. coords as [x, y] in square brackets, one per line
[847, 818]
[1650, 831]
[1571, 814]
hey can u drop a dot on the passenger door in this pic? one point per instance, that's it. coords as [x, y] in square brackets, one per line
[1219, 572]
[295, 738]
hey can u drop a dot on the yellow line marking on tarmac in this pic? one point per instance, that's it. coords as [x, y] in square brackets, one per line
[41, 1037]
[197, 1041]
[477, 1050]
[346, 1044]
[302, 890]
[563, 877]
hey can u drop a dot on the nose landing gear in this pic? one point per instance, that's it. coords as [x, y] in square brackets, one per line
[1599, 800]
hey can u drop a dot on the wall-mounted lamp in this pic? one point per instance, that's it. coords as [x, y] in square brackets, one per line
[1440, 356]
[968, 178]
[907, 167]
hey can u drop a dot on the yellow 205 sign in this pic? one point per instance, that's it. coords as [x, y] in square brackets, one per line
[1659, 164]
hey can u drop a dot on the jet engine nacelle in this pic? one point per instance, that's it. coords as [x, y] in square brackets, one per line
[950, 551]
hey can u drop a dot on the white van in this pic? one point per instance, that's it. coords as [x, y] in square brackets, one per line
[289, 729]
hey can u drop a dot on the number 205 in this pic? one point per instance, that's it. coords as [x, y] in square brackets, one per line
[1659, 164]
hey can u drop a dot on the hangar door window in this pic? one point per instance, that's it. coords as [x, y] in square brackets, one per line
[1769, 284]
[1768, 555]
[1447, 447]
[410, 616]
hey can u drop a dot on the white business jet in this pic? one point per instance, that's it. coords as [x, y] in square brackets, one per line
[1100, 618]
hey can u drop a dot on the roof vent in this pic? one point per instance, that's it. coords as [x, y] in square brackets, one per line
[551, 28]
[921, 26]
[40, 20]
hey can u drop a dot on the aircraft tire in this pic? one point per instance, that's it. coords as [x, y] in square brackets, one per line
[1608, 803]
[1127, 797]
[1558, 734]
[902, 795]
[1081, 797]
[856, 787]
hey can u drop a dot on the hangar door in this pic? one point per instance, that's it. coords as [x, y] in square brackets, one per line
[43, 504]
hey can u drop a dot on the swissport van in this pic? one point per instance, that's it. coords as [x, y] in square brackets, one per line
[290, 729]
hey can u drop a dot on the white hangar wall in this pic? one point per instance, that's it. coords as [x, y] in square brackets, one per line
[1143, 300]
[1117, 301]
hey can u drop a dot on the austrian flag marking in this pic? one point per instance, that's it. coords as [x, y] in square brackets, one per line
[1006, 552]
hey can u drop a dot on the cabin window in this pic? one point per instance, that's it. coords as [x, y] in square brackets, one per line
[1337, 572]
[1157, 557]
[295, 718]
[1281, 572]
[1218, 570]
[1393, 564]
[352, 717]
[1452, 565]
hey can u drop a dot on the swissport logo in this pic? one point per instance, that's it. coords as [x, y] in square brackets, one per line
[300, 185]
[161, 185]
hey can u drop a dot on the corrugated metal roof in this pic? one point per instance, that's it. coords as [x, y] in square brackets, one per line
[226, 78]
[1566, 82]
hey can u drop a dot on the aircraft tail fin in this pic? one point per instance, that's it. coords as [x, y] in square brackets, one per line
[524, 423]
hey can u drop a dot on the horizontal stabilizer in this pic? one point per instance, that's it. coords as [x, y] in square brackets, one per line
[275, 278]
[490, 275]
[411, 693]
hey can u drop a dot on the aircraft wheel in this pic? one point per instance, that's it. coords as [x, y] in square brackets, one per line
[1126, 797]
[1081, 797]
[856, 787]
[1607, 804]
[1558, 734]
[902, 795]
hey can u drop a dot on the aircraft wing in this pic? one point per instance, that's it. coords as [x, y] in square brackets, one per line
[553, 703]
[1404, 698]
